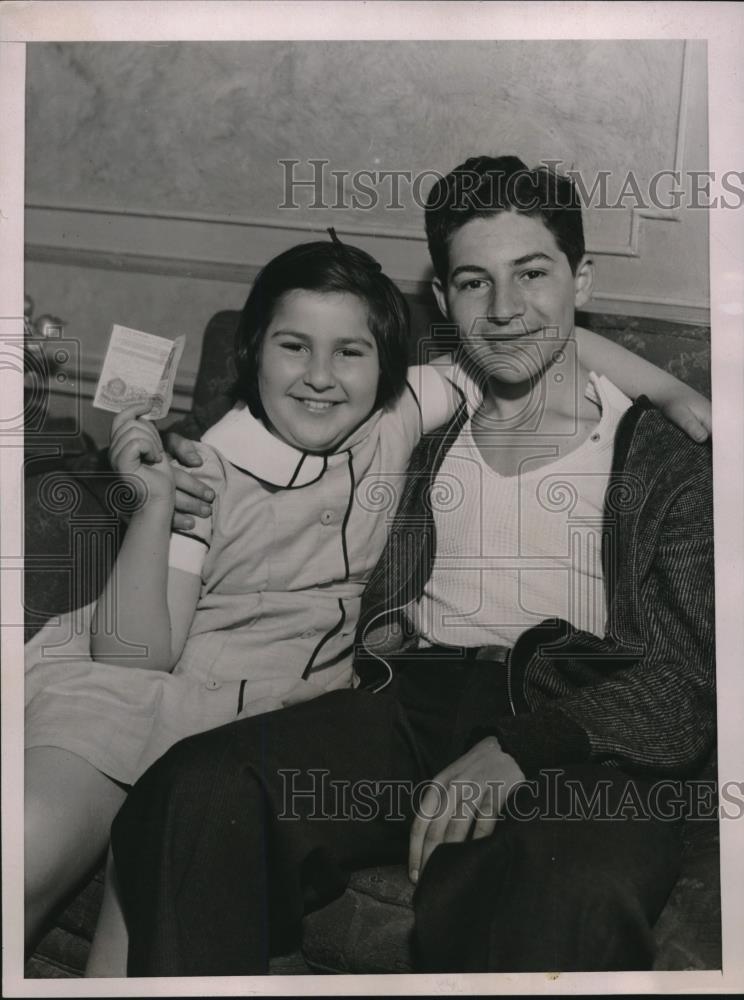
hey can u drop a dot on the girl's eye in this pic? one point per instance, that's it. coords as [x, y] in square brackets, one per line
[292, 345]
[350, 352]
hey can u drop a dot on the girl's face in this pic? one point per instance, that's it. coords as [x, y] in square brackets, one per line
[318, 369]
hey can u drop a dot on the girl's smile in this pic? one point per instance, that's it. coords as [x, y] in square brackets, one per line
[318, 369]
[317, 405]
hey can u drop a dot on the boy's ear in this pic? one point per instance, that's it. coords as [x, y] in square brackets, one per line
[583, 282]
[440, 296]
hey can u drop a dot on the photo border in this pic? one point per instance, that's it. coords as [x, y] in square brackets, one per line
[722, 25]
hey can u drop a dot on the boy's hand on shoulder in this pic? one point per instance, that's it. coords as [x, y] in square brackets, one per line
[193, 497]
[136, 450]
[690, 413]
[183, 449]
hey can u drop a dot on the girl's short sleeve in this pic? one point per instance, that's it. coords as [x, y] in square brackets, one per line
[437, 397]
[188, 549]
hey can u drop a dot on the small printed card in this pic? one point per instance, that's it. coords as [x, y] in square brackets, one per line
[138, 366]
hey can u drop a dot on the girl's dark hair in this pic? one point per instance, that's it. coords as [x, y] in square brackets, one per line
[486, 185]
[324, 267]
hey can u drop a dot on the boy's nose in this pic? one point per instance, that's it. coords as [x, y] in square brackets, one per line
[506, 303]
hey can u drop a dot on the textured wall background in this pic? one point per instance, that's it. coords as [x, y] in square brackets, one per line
[200, 127]
[195, 130]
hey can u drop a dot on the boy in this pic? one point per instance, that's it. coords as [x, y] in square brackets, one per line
[544, 610]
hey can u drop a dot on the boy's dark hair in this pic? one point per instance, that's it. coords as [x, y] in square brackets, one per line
[324, 267]
[486, 185]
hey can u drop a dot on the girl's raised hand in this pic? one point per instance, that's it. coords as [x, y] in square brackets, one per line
[136, 450]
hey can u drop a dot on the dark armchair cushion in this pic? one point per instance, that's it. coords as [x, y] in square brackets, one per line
[72, 531]
[214, 382]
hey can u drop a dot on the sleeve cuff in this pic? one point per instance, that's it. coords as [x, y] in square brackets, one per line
[547, 738]
[187, 553]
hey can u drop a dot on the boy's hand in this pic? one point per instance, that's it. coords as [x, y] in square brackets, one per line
[136, 449]
[193, 497]
[692, 415]
[464, 800]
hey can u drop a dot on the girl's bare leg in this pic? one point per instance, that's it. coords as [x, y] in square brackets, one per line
[69, 808]
[108, 952]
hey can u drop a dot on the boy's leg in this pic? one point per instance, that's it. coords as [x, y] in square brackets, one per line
[68, 809]
[232, 835]
[547, 894]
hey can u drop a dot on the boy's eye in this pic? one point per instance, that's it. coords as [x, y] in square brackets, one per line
[531, 275]
[473, 284]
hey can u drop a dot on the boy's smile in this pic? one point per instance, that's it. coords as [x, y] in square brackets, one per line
[318, 369]
[511, 292]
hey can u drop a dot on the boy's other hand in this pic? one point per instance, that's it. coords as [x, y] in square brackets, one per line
[692, 415]
[193, 497]
[463, 801]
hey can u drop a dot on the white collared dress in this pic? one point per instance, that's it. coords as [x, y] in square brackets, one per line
[283, 561]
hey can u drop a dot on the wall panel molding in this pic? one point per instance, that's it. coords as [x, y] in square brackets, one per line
[233, 249]
[638, 215]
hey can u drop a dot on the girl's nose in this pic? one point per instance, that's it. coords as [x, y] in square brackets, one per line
[319, 374]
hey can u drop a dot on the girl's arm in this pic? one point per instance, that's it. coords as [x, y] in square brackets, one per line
[636, 377]
[434, 389]
[144, 611]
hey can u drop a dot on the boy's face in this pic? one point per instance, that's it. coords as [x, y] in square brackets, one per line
[511, 292]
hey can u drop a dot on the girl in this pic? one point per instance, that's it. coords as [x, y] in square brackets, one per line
[256, 607]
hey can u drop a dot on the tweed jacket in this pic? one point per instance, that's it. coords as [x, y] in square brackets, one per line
[641, 697]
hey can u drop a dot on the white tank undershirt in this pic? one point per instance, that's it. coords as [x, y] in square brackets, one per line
[514, 550]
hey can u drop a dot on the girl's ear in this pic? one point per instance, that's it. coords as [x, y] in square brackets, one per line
[440, 296]
[583, 282]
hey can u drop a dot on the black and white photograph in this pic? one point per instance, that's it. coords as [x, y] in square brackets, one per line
[371, 460]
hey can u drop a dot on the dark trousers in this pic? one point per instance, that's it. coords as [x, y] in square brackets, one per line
[233, 835]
